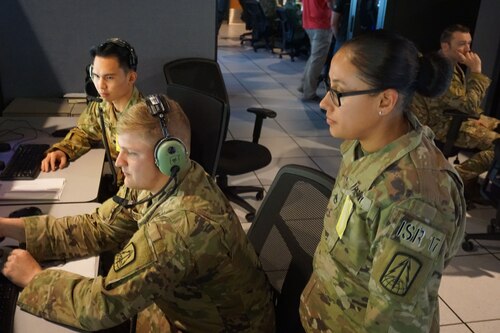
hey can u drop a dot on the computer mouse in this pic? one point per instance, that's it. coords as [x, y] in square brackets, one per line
[4, 146]
[26, 211]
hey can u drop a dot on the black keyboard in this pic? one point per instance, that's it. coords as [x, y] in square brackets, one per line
[25, 163]
[8, 299]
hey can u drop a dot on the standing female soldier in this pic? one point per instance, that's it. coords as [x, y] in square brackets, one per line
[397, 213]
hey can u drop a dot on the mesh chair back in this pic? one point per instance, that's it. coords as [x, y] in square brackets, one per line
[197, 73]
[208, 128]
[285, 234]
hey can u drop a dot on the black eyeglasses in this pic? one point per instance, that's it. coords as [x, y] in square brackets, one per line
[336, 95]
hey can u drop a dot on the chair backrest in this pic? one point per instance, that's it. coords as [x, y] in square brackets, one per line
[200, 74]
[490, 188]
[244, 16]
[208, 116]
[286, 232]
[197, 73]
[256, 18]
[286, 26]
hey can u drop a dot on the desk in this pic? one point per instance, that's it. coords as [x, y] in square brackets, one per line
[43, 107]
[82, 176]
[25, 322]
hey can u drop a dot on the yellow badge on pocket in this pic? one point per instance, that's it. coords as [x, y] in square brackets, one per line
[117, 145]
[345, 214]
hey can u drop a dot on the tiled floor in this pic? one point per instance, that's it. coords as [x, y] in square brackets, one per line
[470, 290]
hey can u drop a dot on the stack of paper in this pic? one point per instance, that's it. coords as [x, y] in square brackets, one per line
[37, 189]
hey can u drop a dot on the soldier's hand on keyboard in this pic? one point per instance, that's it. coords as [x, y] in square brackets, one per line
[21, 267]
[54, 160]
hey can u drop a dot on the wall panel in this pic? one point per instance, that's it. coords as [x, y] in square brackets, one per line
[44, 45]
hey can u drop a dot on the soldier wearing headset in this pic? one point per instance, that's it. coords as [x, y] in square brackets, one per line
[180, 245]
[113, 73]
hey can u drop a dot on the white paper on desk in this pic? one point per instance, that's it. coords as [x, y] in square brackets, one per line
[37, 189]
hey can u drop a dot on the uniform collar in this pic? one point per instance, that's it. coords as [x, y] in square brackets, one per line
[356, 172]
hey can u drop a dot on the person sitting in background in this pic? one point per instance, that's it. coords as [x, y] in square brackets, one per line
[465, 94]
[396, 216]
[180, 244]
[114, 73]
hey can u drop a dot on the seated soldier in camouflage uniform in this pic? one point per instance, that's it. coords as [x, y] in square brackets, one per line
[396, 216]
[114, 72]
[180, 243]
[465, 94]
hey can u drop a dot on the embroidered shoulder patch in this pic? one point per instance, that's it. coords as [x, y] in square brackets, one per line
[125, 257]
[400, 273]
[419, 236]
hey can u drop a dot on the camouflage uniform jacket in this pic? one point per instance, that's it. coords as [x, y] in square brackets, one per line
[186, 252]
[88, 131]
[464, 94]
[395, 219]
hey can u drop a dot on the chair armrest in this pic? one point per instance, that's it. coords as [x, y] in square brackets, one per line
[460, 115]
[260, 115]
[457, 118]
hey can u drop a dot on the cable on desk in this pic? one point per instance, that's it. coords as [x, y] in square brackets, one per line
[21, 136]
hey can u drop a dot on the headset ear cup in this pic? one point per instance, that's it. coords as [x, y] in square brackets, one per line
[170, 153]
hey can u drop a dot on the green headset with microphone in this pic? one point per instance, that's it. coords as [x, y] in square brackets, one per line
[170, 153]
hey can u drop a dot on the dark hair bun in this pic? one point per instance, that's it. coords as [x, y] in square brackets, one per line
[434, 75]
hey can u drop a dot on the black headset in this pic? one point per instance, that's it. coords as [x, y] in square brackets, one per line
[171, 155]
[132, 58]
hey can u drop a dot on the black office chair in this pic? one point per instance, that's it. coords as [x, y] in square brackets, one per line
[208, 128]
[237, 156]
[490, 189]
[260, 25]
[246, 36]
[221, 10]
[448, 147]
[285, 233]
[294, 39]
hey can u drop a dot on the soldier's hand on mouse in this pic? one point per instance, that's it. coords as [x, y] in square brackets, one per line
[21, 267]
[54, 160]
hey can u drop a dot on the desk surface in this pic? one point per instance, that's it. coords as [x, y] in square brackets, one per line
[43, 107]
[25, 322]
[82, 176]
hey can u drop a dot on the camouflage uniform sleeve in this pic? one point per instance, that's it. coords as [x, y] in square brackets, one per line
[80, 139]
[466, 97]
[147, 265]
[411, 253]
[69, 237]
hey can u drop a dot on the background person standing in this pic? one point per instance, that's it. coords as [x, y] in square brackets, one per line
[316, 21]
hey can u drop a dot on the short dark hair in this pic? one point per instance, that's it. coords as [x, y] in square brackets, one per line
[449, 30]
[387, 60]
[119, 48]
